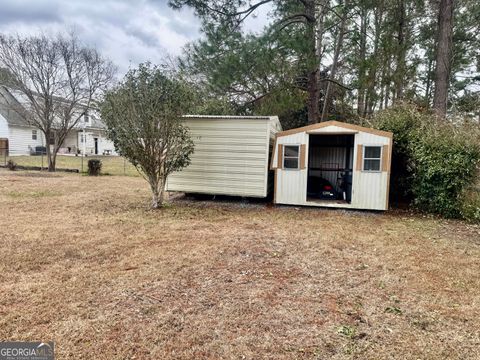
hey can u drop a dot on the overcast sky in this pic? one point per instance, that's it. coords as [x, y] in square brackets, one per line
[126, 31]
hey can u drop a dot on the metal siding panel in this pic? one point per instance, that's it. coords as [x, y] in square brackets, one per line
[292, 184]
[369, 188]
[230, 157]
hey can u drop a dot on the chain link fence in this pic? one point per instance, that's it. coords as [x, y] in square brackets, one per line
[111, 164]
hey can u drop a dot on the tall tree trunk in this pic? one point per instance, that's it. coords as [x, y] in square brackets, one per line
[382, 93]
[388, 74]
[362, 57]
[51, 155]
[428, 84]
[313, 90]
[443, 57]
[333, 72]
[314, 35]
[320, 25]
[399, 77]
[371, 97]
[52, 164]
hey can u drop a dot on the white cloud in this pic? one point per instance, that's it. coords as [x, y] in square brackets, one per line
[127, 32]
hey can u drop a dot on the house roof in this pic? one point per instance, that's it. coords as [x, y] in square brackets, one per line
[347, 126]
[11, 108]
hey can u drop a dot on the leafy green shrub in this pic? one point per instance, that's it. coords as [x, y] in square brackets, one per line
[403, 121]
[11, 165]
[470, 204]
[94, 167]
[434, 161]
[444, 166]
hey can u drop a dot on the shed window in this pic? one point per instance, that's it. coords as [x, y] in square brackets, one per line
[372, 156]
[34, 134]
[291, 155]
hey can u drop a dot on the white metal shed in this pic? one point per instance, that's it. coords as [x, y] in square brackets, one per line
[231, 156]
[333, 164]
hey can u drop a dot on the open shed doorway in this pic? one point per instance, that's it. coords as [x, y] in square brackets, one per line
[330, 168]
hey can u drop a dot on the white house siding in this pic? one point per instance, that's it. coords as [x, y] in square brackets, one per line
[3, 128]
[21, 142]
[230, 157]
[103, 143]
[71, 141]
[369, 191]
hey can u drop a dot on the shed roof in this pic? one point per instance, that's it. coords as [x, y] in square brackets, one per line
[227, 117]
[334, 123]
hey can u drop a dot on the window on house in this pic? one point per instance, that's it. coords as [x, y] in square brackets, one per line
[34, 134]
[81, 138]
[86, 118]
[291, 154]
[372, 156]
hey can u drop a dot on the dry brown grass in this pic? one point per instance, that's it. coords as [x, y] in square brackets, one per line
[85, 264]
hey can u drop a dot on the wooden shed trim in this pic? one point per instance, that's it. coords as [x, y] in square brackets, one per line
[385, 158]
[274, 151]
[279, 156]
[303, 156]
[359, 161]
[389, 169]
[333, 133]
[334, 123]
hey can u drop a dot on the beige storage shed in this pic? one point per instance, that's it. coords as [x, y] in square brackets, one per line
[333, 164]
[231, 156]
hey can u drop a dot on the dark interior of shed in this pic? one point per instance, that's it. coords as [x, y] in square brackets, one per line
[330, 165]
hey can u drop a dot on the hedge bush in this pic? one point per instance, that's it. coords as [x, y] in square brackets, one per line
[11, 165]
[470, 204]
[94, 167]
[434, 161]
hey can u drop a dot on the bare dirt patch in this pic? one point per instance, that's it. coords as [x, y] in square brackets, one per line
[90, 267]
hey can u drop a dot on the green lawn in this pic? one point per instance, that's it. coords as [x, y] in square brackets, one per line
[113, 165]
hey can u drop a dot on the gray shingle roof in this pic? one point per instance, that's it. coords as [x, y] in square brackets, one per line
[10, 108]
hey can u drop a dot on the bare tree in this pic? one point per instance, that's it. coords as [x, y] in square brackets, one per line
[57, 79]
